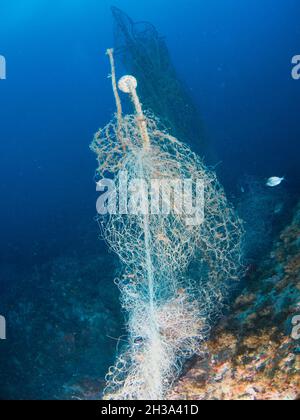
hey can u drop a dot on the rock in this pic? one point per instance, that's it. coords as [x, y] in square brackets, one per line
[252, 354]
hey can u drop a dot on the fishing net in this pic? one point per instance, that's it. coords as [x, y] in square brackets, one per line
[145, 54]
[168, 311]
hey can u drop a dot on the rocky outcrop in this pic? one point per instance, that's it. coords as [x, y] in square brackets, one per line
[62, 322]
[251, 355]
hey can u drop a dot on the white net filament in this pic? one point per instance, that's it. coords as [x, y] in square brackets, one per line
[175, 276]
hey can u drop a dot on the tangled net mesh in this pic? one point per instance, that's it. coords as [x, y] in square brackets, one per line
[175, 274]
[144, 53]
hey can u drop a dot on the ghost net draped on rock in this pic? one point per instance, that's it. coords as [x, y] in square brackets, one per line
[168, 313]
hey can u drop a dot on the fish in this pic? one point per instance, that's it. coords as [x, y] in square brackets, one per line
[274, 181]
[278, 208]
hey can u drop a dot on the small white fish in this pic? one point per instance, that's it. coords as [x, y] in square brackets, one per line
[278, 208]
[274, 181]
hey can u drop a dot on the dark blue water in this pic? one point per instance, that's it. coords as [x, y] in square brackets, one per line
[235, 58]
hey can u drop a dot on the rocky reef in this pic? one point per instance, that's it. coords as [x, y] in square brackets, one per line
[251, 354]
[62, 329]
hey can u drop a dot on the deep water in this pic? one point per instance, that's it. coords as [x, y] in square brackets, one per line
[56, 276]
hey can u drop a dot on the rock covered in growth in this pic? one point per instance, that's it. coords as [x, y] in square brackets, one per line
[252, 355]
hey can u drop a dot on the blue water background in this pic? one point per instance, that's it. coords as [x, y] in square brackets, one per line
[235, 58]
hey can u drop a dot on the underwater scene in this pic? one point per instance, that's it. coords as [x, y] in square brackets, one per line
[150, 200]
